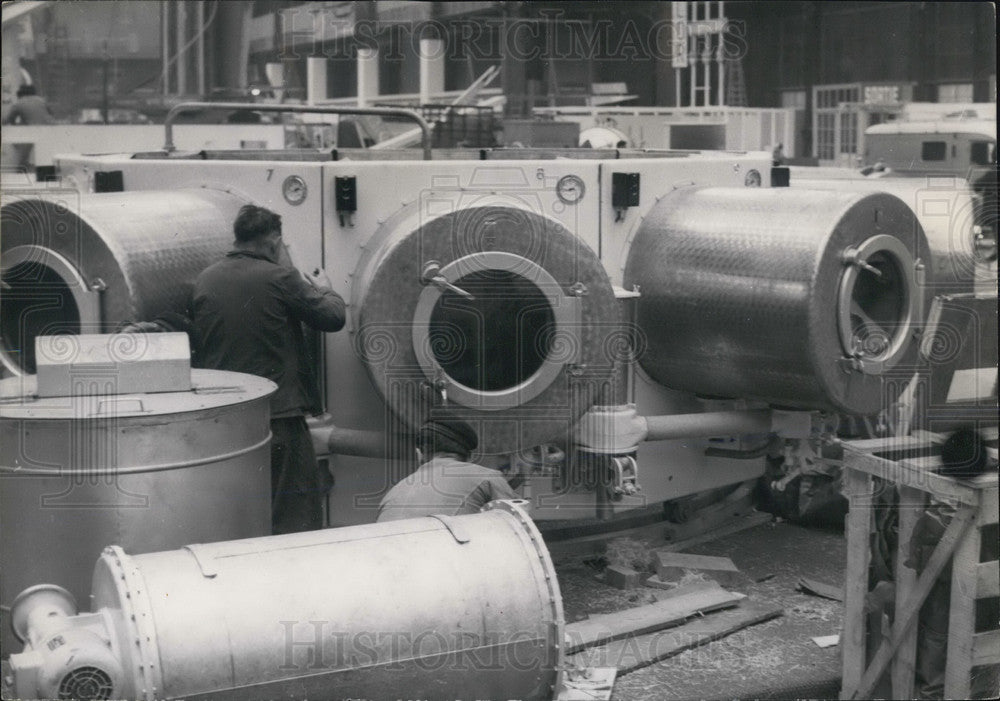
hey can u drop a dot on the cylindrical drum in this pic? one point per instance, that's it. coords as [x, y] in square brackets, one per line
[147, 471]
[493, 309]
[946, 210]
[429, 608]
[800, 298]
[77, 263]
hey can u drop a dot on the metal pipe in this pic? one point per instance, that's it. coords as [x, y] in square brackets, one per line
[431, 58]
[168, 124]
[350, 441]
[368, 87]
[706, 425]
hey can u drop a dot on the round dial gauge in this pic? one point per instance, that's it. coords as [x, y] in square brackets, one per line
[570, 189]
[294, 189]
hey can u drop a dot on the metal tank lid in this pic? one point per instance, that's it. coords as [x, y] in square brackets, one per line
[210, 389]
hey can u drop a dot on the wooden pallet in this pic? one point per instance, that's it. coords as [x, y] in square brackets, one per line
[908, 463]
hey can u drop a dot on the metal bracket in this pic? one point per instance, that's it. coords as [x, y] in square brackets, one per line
[624, 476]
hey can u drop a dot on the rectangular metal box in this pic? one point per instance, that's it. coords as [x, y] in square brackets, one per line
[117, 363]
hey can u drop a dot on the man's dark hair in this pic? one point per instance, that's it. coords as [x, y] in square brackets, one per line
[447, 434]
[26, 90]
[254, 222]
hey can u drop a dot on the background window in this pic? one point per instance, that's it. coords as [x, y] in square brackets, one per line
[982, 153]
[955, 92]
[933, 151]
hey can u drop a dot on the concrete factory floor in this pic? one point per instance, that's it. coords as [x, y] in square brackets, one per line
[776, 659]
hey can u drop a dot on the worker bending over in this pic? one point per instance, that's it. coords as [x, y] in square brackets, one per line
[447, 483]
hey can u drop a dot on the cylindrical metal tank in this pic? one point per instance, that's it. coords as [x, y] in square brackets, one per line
[945, 208]
[800, 298]
[428, 608]
[77, 263]
[494, 309]
[147, 471]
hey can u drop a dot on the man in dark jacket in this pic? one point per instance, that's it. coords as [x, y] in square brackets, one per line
[248, 314]
[447, 483]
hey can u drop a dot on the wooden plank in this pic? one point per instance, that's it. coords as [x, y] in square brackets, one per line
[928, 436]
[740, 524]
[986, 648]
[904, 664]
[636, 652]
[989, 507]
[858, 490]
[710, 517]
[827, 591]
[988, 579]
[892, 443]
[621, 577]
[933, 462]
[903, 474]
[962, 617]
[952, 537]
[669, 589]
[989, 433]
[923, 463]
[667, 559]
[672, 566]
[605, 627]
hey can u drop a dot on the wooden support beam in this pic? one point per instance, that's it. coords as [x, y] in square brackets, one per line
[904, 665]
[911, 607]
[858, 489]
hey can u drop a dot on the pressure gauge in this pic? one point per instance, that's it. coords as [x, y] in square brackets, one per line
[294, 189]
[570, 189]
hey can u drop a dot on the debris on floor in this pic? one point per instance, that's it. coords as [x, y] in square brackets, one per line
[587, 684]
[672, 566]
[622, 577]
[827, 591]
[827, 640]
[760, 647]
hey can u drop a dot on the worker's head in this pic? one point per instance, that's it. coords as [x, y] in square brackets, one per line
[446, 434]
[259, 229]
[26, 89]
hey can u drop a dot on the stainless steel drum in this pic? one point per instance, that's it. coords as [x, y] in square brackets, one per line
[802, 298]
[427, 608]
[495, 310]
[946, 210]
[77, 263]
[147, 471]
